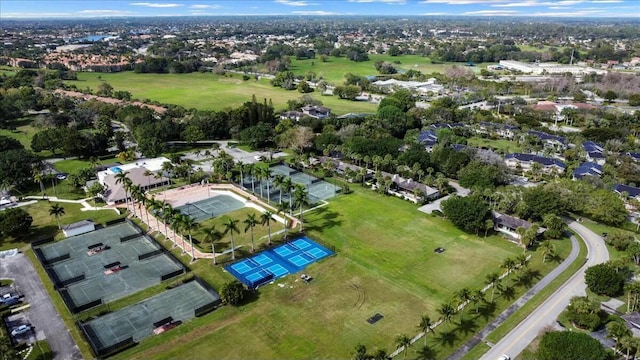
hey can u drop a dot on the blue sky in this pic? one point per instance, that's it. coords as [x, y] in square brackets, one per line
[487, 8]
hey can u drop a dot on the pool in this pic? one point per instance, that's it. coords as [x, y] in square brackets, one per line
[115, 170]
[280, 261]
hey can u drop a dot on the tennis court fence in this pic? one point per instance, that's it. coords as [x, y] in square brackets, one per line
[94, 342]
[150, 254]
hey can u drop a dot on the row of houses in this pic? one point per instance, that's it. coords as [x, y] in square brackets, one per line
[317, 112]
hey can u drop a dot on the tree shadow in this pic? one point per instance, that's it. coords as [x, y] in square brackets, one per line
[508, 292]
[426, 353]
[447, 338]
[487, 310]
[555, 258]
[466, 326]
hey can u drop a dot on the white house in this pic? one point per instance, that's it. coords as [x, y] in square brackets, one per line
[147, 173]
[509, 225]
[525, 161]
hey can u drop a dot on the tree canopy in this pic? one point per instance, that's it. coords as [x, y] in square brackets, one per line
[570, 345]
[467, 213]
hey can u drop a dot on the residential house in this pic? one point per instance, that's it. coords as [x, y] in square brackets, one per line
[587, 169]
[634, 156]
[318, 112]
[525, 161]
[429, 139]
[595, 153]
[502, 130]
[344, 169]
[555, 141]
[406, 188]
[509, 225]
[632, 192]
[292, 115]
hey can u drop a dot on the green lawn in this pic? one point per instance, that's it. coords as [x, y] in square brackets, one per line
[208, 91]
[72, 166]
[501, 145]
[45, 225]
[377, 270]
[334, 69]
[24, 133]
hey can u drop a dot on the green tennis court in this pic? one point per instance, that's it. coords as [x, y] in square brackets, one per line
[109, 333]
[211, 207]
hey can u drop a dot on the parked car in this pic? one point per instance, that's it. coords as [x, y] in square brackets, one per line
[61, 176]
[22, 329]
[9, 299]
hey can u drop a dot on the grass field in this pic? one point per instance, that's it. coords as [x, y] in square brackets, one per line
[24, 133]
[385, 264]
[208, 91]
[73, 165]
[334, 69]
[45, 225]
[501, 145]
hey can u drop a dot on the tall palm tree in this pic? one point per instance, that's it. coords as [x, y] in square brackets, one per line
[154, 207]
[177, 223]
[508, 264]
[251, 169]
[282, 209]
[277, 182]
[250, 223]
[547, 248]
[403, 341]
[240, 167]
[492, 279]
[211, 235]
[476, 297]
[463, 296]
[231, 226]
[287, 185]
[149, 174]
[265, 218]
[425, 326]
[38, 177]
[121, 178]
[57, 211]
[189, 224]
[167, 214]
[446, 311]
[267, 175]
[301, 199]
[259, 173]
[616, 331]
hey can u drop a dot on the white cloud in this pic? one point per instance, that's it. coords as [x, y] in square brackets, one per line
[104, 12]
[155, 5]
[200, 6]
[464, 2]
[315, 13]
[391, 2]
[492, 13]
[436, 14]
[295, 3]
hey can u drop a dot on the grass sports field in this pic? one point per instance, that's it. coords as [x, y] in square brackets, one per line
[334, 69]
[385, 264]
[208, 91]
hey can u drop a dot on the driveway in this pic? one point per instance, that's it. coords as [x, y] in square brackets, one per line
[42, 315]
[430, 207]
[547, 313]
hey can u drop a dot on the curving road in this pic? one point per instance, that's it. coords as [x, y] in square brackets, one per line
[547, 313]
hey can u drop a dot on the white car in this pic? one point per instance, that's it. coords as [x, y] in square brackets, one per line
[504, 357]
[22, 329]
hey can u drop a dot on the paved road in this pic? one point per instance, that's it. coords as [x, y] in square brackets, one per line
[547, 313]
[43, 316]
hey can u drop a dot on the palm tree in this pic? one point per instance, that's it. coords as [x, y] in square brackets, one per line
[492, 279]
[38, 177]
[403, 341]
[167, 214]
[153, 207]
[616, 330]
[250, 223]
[282, 209]
[446, 311]
[251, 168]
[121, 178]
[277, 182]
[266, 172]
[57, 211]
[287, 185]
[425, 326]
[231, 226]
[547, 248]
[177, 223]
[211, 235]
[240, 165]
[508, 264]
[259, 172]
[476, 297]
[189, 224]
[522, 261]
[148, 173]
[463, 296]
[265, 218]
[301, 199]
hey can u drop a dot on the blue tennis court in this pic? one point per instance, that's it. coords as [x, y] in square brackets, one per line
[277, 262]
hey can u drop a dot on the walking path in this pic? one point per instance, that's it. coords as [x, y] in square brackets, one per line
[84, 202]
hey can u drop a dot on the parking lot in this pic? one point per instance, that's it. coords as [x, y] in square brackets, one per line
[47, 324]
[14, 323]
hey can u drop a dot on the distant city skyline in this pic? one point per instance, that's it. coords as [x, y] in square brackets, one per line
[479, 8]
